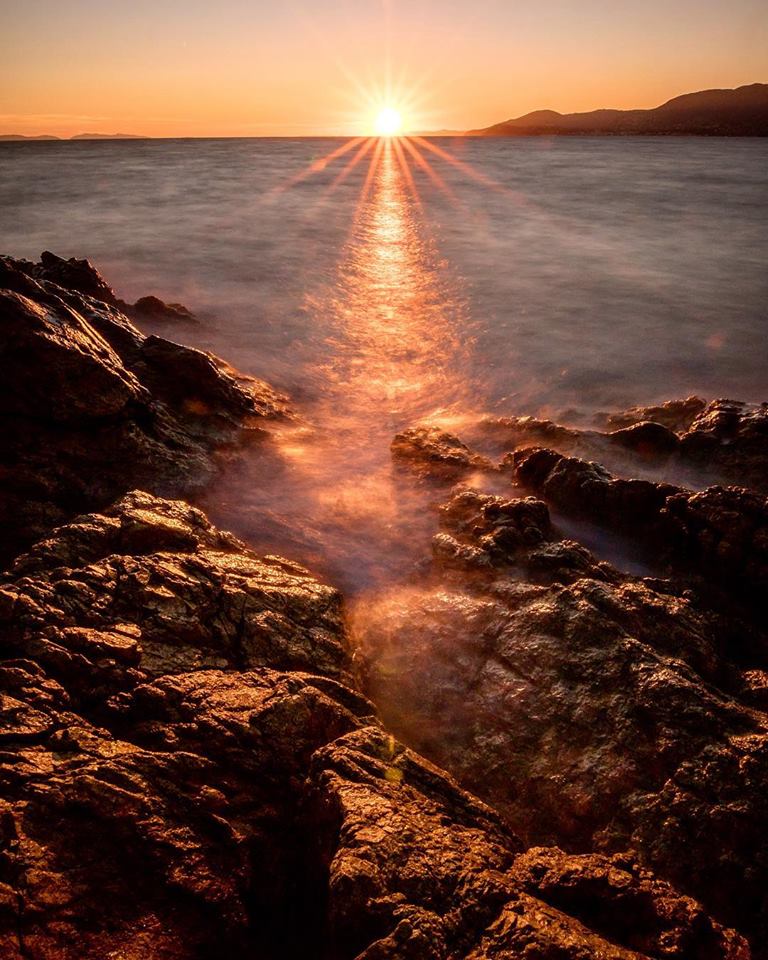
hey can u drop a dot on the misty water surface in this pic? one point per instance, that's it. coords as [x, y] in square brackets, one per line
[562, 276]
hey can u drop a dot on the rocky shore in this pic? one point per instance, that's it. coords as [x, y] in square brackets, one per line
[526, 752]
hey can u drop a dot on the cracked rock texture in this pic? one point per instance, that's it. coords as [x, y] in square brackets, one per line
[597, 709]
[90, 408]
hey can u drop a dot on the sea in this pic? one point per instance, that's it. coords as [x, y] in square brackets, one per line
[382, 284]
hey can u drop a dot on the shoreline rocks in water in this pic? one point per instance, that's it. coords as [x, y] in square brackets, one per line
[90, 407]
[598, 710]
[723, 441]
[191, 766]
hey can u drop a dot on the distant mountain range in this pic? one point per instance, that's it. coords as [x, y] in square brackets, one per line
[742, 112]
[79, 136]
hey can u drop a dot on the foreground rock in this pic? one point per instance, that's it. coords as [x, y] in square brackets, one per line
[596, 710]
[89, 407]
[186, 772]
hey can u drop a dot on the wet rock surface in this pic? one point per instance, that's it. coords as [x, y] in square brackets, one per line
[89, 407]
[596, 709]
[721, 532]
[699, 443]
[187, 771]
[431, 452]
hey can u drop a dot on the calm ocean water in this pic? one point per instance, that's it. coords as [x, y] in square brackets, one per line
[564, 277]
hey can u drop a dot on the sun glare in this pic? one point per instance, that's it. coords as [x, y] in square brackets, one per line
[388, 122]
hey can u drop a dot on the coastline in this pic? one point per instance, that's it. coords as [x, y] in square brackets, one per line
[199, 715]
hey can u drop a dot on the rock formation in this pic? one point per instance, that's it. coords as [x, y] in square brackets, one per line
[595, 709]
[199, 760]
[187, 772]
[89, 407]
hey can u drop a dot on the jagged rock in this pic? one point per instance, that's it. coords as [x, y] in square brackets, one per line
[595, 710]
[676, 415]
[152, 308]
[732, 438]
[82, 277]
[78, 275]
[585, 488]
[724, 532]
[185, 772]
[201, 599]
[431, 452]
[698, 442]
[724, 440]
[721, 531]
[622, 900]
[89, 407]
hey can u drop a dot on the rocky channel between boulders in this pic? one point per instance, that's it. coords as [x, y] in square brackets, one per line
[524, 752]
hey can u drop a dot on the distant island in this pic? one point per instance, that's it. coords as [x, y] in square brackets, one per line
[742, 112]
[78, 136]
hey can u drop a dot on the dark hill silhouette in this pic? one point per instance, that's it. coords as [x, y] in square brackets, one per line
[742, 112]
[78, 136]
[21, 136]
[108, 136]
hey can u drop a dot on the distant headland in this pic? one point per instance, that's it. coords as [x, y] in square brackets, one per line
[742, 112]
[78, 136]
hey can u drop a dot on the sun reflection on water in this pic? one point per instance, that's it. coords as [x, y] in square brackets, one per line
[331, 497]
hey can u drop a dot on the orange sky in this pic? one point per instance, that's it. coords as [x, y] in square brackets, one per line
[250, 67]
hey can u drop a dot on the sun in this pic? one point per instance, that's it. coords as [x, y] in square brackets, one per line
[388, 122]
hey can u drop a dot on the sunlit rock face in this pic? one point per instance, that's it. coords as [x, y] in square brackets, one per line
[595, 709]
[431, 452]
[90, 407]
[187, 772]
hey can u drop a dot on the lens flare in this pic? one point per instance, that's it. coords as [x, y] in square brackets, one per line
[389, 123]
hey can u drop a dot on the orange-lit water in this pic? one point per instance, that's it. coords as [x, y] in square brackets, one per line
[397, 349]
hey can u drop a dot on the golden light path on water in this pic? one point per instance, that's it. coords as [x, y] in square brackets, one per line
[327, 493]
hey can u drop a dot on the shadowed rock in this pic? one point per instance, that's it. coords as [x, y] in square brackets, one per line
[596, 710]
[724, 441]
[80, 276]
[90, 407]
[721, 531]
[152, 308]
[647, 438]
